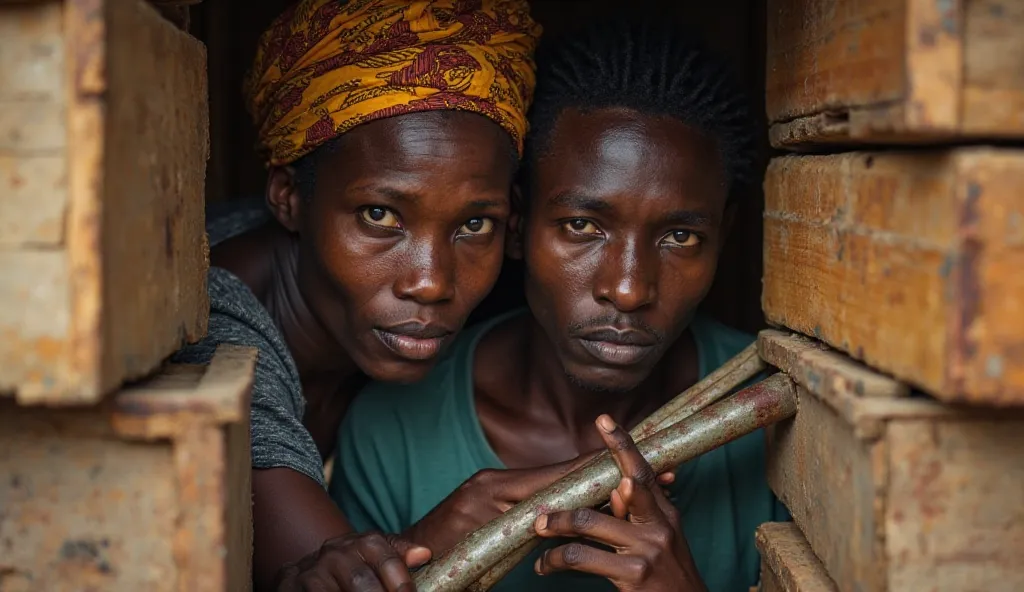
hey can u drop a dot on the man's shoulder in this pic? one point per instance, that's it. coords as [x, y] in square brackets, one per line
[718, 341]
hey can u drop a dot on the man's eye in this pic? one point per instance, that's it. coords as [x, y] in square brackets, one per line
[477, 226]
[379, 216]
[581, 226]
[682, 238]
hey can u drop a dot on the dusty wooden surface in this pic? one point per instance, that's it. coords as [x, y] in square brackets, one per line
[787, 562]
[103, 252]
[894, 70]
[908, 261]
[139, 493]
[899, 494]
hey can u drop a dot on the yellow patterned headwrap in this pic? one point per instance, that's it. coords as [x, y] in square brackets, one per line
[326, 66]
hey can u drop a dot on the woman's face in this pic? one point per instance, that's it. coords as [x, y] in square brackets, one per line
[403, 236]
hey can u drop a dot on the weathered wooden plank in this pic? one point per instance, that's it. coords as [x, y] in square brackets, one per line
[827, 479]
[894, 70]
[88, 504]
[787, 562]
[25, 219]
[102, 165]
[813, 365]
[906, 261]
[902, 494]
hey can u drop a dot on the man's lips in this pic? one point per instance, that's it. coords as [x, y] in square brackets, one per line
[617, 347]
[413, 340]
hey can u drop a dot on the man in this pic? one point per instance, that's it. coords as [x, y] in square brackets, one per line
[637, 139]
[392, 132]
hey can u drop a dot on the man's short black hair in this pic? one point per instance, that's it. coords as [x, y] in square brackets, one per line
[652, 69]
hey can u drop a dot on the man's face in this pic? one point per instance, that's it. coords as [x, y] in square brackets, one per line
[626, 220]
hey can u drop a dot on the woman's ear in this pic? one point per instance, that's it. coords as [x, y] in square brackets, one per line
[283, 197]
[516, 222]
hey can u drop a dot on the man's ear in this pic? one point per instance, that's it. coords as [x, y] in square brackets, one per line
[516, 222]
[283, 197]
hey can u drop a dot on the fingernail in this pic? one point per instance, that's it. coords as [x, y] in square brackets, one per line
[536, 567]
[606, 424]
[541, 523]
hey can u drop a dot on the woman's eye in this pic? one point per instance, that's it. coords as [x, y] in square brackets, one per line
[682, 238]
[379, 216]
[581, 226]
[477, 226]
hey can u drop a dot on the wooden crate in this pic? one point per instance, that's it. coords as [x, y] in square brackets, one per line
[787, 562]
[148, 491]
[103, 147]
[894, 70]
[908, 261]
[176, 11]
[896, 494]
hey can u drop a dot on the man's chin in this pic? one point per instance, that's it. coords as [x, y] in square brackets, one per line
[604, 383]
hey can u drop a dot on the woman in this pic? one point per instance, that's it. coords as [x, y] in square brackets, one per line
[392, 131]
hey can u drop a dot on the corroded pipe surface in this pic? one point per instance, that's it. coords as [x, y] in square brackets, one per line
[740, 368]
[760, 405]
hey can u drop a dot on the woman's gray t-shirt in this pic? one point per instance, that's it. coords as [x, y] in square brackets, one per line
[278, 437]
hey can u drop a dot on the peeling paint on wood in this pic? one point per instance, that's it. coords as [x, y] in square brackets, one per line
[103, 252]
[894, 71]
[787, 562]
[160, 502]
[903, 494]
[906, 260]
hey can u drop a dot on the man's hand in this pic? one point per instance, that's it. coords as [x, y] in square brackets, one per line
[485, 496]
[368, 562]
[649, 552]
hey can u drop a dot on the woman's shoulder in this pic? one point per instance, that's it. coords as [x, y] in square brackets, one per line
[237, 317]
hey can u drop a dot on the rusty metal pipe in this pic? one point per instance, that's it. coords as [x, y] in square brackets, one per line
[739, 369]
[752, 408]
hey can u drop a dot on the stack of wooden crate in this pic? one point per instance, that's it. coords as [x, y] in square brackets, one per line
[895, 252]
[103, 259]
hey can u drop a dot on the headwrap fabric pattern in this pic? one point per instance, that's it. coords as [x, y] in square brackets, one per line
[326, 66]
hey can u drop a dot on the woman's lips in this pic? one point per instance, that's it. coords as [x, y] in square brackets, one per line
[414, 342]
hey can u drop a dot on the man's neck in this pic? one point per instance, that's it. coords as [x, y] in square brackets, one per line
[531, 410]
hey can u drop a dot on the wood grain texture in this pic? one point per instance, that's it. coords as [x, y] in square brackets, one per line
[787, 562]
[902, 494]
[813, 364]
[102, 158]
[894, 70]
[88, 504]
[907, 261]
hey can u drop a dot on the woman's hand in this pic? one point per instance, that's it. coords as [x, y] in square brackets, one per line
[481, 498]
[648, 551]
[367, 562]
